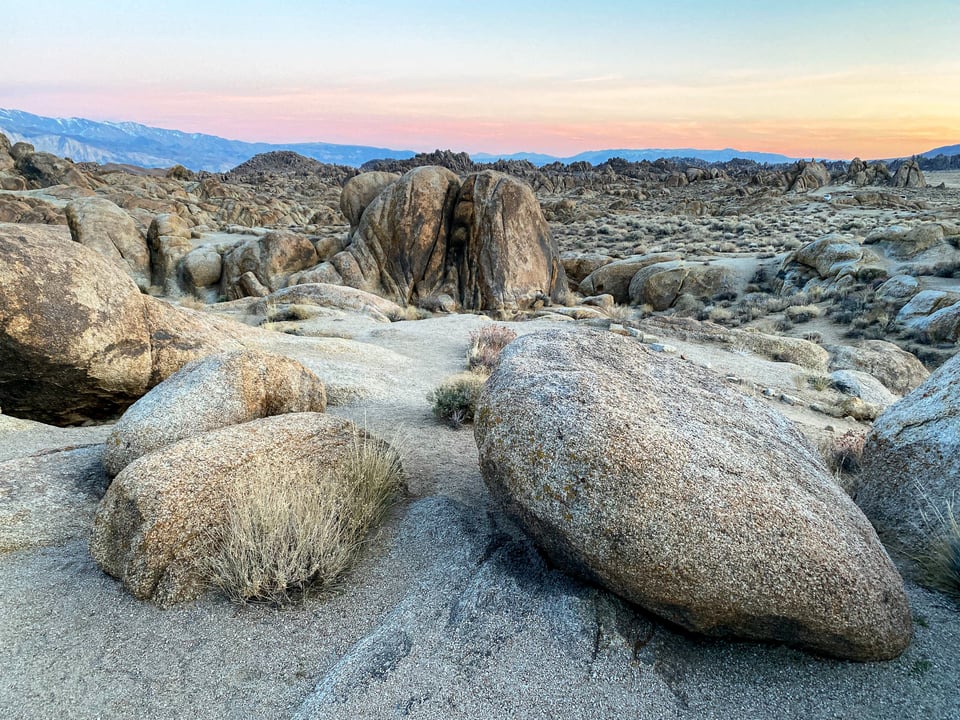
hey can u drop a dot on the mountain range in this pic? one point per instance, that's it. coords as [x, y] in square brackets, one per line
[135, 144]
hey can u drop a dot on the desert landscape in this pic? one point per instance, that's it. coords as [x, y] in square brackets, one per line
[668, 439]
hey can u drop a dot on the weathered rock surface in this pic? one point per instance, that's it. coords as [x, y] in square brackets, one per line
[484, 610]
[505, 257]
[909, 175]
[168, 239]
[210, 393]
[49, 496]
[614, 278]
[179, 335]
[830, 259]
[78, 341]
[910, 473]
[485, 243]
[359, 192]
[661, 284]
[331, 296]
[73, 341]
[104, 227]
[897, 369]
[271, 259]
[149, 531]
[651, 477]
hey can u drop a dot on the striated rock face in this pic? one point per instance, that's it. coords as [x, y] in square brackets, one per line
[399, 250]
[501, 246]
[104, 227]
[149, 528]
[73, 341]
[484, 243]
[910, 473]
[649, 476]
[213, 392]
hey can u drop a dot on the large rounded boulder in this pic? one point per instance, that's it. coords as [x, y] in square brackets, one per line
[484, 243]
[152, 528]
[74, 344]
[215, 391]
[399, 249]
[78, 341]
[651, 477]
[359, 192]
[910, 472]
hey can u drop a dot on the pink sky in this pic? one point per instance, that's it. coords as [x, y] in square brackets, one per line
[875, 79]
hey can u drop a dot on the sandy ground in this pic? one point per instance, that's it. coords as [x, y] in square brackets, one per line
[73, 644]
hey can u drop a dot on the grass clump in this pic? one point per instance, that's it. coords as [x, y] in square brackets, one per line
[288, 535]
[941, 562]
[455, 400]
[486, 345]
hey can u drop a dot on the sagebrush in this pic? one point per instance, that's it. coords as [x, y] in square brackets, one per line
[455, 400]
[289, 533]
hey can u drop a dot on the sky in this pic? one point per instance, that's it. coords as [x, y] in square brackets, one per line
[832, 79]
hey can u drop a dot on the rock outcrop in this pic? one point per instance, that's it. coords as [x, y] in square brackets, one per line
[651, 477]
[660, 285]
[104, 227]
[614, 278]
[483, 242]
[210, 393]
[909, 175]
[78, 341]
[910, 472]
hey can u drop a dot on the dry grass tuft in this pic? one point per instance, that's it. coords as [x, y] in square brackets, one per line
[192, 302]
[941, 563]
[291, 535]
[486, 345]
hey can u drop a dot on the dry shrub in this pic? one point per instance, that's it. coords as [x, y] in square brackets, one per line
[802, 313]
[456, 398]
[291, 534]
[192, 302]
[486, 345]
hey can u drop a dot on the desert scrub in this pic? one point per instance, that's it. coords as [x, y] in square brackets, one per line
[802, 313]
[486, 345]
[941, 563]
[288, 535]
[456, 399]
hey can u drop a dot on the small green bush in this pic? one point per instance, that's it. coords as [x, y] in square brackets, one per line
[287, 536]
[456, 399]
